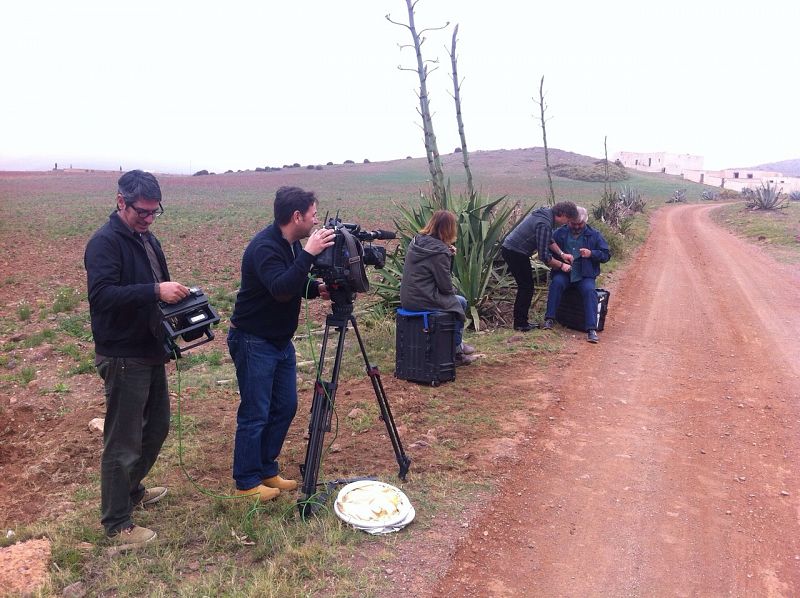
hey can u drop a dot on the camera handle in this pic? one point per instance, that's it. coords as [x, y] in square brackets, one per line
[322, 410]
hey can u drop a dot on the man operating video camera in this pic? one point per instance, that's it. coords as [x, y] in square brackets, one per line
[275, 268]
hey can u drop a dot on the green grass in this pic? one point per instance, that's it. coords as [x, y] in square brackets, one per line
[43, 336]
[24, 311]
[77, 326]
[777, 229]
[26, 374]
[67, 299]
[210, 546]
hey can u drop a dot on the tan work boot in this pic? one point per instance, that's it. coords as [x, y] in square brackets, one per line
[132, 537]
[152, 496]
[261, 491]
[281, 484]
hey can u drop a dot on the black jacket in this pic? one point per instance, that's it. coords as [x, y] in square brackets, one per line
[123, 303]
[274, 279]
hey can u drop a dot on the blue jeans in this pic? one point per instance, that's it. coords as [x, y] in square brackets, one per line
[585, 286]
[267, 376]
[136, 425]
[458, 333]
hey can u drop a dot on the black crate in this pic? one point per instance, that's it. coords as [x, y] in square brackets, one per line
[423, 353]
[569, 312]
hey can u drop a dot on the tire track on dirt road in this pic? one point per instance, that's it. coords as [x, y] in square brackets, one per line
[671, 469]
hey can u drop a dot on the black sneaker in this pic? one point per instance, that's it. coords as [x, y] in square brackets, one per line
[525, 327]
[548, 324]
[591, 336]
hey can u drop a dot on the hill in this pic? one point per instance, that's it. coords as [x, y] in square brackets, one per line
[787, 167]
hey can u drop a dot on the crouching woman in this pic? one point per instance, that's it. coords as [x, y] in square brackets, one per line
[427, 284]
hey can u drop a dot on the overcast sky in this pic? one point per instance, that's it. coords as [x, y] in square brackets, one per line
[178, 86]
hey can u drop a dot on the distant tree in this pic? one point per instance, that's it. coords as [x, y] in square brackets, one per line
[459, 117]
[408, 158]
[329, 164]
[200, 173]
[366, 160]
[310, 167]
[551, 198]
[318, 167]
[296, 165]
[431, 148]
[349, 162]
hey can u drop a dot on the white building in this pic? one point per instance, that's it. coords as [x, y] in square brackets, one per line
[660, 162]
[690, 168]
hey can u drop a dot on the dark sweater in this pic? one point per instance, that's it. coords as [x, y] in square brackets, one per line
[533, 234]
[274, 279]
[123, 303]
[426, 283]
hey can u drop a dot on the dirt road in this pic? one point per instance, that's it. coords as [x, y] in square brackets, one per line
[672, 468]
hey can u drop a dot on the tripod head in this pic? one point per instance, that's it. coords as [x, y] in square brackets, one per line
[342, 298]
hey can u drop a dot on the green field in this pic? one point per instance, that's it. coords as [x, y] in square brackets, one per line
[217, 546]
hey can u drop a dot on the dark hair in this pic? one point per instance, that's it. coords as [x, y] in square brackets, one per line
[566, 208]
[138, 184]
[442, 226]
[289, 200]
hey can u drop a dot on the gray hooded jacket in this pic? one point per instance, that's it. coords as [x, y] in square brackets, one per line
[426, 284]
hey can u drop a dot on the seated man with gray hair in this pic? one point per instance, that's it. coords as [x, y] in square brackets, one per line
[589, 249]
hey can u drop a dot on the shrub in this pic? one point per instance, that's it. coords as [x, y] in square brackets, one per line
[765, 197]
[478, 273]
[318, 167]
[632, 199]
[24, 311]
[595, 172]
[794, 196]
[709, 195]
[616, 208]
[66, 300]
[678, 196]
[615, 239]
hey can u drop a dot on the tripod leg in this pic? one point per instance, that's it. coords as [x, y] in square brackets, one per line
[321, 412]
[383, 403]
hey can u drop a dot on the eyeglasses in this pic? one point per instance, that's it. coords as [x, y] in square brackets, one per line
[145, 213]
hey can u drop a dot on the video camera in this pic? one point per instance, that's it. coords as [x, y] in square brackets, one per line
[190, 319]
[343, 263]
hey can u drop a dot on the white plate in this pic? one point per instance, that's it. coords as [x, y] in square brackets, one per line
[404, 507]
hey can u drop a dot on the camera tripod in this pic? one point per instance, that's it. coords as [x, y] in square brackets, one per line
[324, 398]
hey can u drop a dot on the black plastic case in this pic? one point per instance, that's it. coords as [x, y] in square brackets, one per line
[569, 313]
[425, 355]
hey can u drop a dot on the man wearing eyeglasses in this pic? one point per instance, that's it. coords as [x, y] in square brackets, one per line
[127, 276]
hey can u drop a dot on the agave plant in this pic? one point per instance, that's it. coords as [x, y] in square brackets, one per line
[709, 195]
[766, 197]
[678, 196]
[794, 196]
[478, 274]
